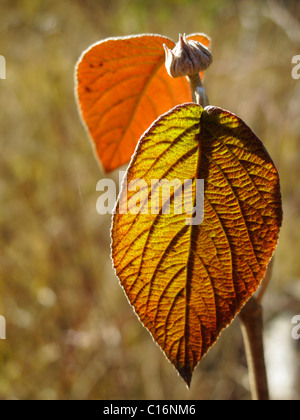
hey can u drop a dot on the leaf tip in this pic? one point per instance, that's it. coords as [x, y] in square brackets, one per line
[186, 375]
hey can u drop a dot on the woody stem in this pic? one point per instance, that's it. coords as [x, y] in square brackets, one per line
[198, 91]
[252, 328]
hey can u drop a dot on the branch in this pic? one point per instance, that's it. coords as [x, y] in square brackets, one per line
[252, 327]
[265, 282]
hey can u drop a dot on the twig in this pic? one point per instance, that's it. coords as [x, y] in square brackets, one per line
[265, 283]
[252, 327]
[198, 91]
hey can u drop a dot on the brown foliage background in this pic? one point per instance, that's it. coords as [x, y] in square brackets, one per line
[70, 331]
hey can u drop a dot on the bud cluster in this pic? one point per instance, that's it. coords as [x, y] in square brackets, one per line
[187, 58]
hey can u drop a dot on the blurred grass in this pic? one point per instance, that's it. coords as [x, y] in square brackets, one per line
[70, 331]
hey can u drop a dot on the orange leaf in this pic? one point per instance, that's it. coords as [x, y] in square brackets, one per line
[187, 282]
[122, 86]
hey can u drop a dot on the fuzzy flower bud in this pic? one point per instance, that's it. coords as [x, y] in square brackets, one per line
[187, 58]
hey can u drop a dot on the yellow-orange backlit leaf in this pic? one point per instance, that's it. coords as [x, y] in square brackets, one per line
[122, 86]
[187, 282]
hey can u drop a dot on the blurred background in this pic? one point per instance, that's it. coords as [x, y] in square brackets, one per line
[71, 333]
